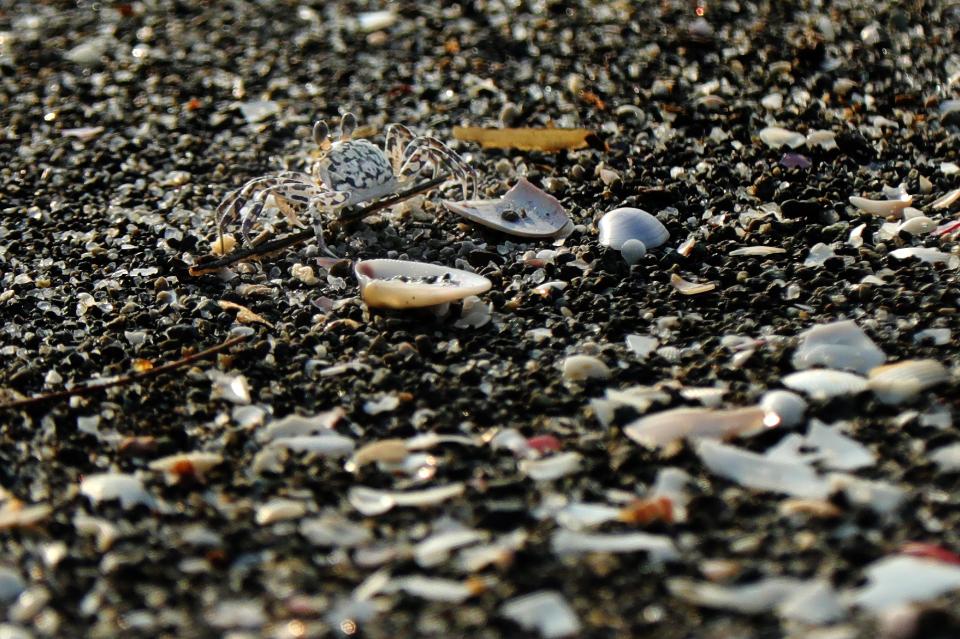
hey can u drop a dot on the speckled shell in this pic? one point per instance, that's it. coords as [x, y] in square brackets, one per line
[620, 225]
[524, 210]
[399, 284]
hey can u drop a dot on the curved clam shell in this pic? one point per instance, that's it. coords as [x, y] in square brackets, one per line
[899, 382]
[524, 210]
[623, 224]
[399, 284]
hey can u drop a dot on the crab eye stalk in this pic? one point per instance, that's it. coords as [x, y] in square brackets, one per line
[348, 124]
[321, 133]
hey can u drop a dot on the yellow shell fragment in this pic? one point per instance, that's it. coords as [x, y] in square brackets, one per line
[690, 288]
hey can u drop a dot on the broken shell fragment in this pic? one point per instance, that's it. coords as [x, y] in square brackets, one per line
[399, 284]
[882, 208]
[624, 224]
[896, 383]
[127, 489]
[775, 137]
[821, 383]
[579, 368]
[524, 210]
[186, 465]
[668, 426]
[840, 345]
[690, 288]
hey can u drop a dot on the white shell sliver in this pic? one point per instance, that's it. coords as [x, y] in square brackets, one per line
[524, 210]
[399, 284]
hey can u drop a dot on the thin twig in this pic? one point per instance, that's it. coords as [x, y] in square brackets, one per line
[207, 265]
[120, 380]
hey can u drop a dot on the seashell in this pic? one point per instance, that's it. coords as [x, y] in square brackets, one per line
[660, 429]
[524, 210]
[642, 345]
[633, 250]
[551, 468]
[333, 529]
[545, 611]
[757, 250]
[195, 465]
[326, 445]
[822, 138]
[759, 472]
[128, 489]
[899, 382]
[436, 548]
[293, 425]
[438, 589]
[835, 450]
[822, 383]
[786, 405]
[279, 510]
[897, 580]
[917, 225]
[882, 208]
[841, 345]
[775, 137]
[946, 201]
[659, 547]
[386, 450]
[947, 458]
[579, 368]
[690, 288]
[398, 284]
[620, 225]
[926, 254]
[370, 501]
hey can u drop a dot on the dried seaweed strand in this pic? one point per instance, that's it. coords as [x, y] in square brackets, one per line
[266, 249]
[120, 380]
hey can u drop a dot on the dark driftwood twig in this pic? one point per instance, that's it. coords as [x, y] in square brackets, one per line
[119, 380]
[270, 247]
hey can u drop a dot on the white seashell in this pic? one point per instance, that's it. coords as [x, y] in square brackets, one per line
[772, 102]
[640, 397]
[939, 336]
[580, 515]
[946, 201]
[128, 489]
[279, 510]
[855, 238]
[633, 250]
[690, 288]
[551, 468]
[375, 502]
[400, 284]
[437, 589]
[686, 248]
[882, 208]
[524, 210]
[195, 464]
[759, 472]
[835, 450]
[620, 225]
[776, 137]
[753, 598]
[917, 225]
[949, 168]
[882, 497]
[579, 368]
[642, 345]
[386, 450]
[821, 383]
[659, 547]
[900, 579]
[758, 250]
[896, 383]
[668, 426]
[947, 458]
[436, 548]
[545, 611]
[333, 529]
[822, 138]
[709, 396]
[788, 406]
[841, 345]
[293, 425]
[926, 254]
[327, 445]
[819, 254]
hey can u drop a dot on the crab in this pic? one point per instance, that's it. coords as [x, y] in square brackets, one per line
[347, 172]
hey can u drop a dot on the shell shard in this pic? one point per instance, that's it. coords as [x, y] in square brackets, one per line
[776, 137]
[821, 383]
[524, 210]
[838, 345]
[883, 208]
[668, 426]
[685, 287]
[400, 284]
[759, 472]
[900, 382]
[619, 226]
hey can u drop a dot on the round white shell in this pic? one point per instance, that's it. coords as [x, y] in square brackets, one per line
[400, 284]
[524, 210]
[620, 225]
